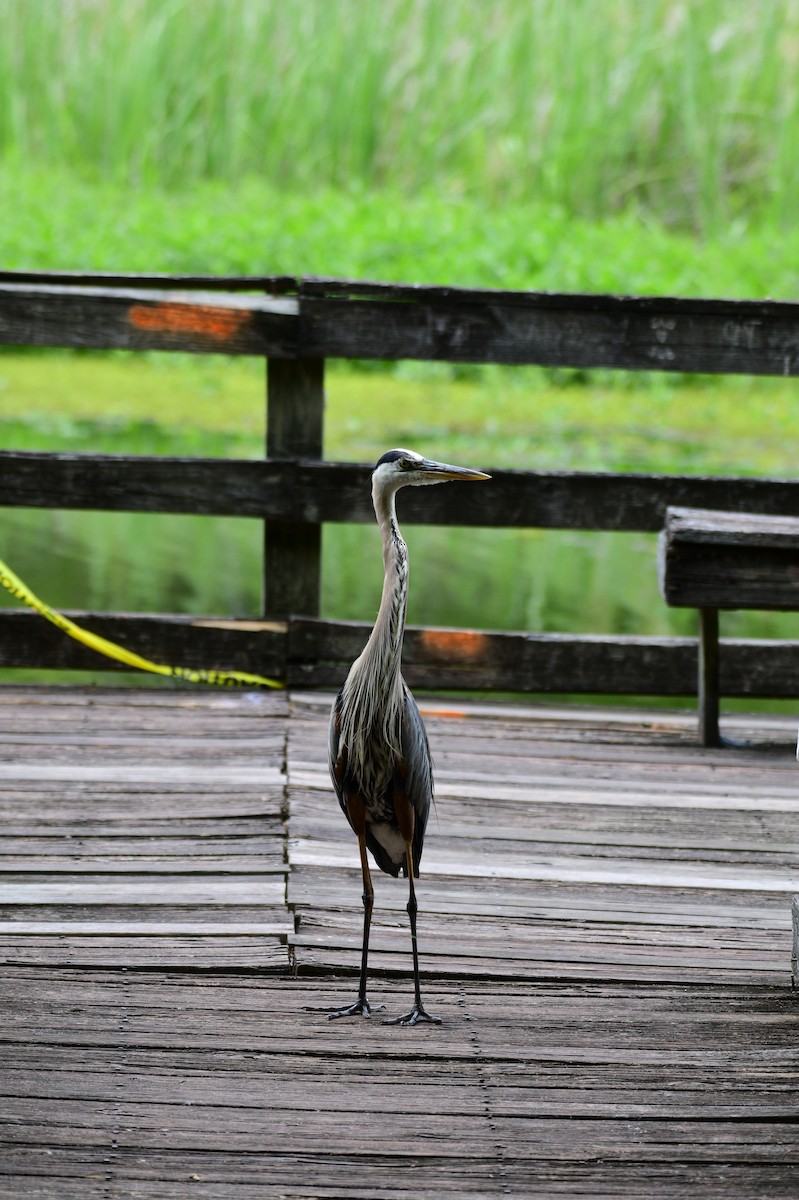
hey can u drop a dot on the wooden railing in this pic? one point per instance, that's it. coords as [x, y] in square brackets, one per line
[297, 324]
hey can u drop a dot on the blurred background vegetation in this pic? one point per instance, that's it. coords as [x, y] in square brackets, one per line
[684, 111]
[569, 145]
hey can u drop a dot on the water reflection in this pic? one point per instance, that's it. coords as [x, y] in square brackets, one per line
[536, 580]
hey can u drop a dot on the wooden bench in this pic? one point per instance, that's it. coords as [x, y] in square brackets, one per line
[711, 560]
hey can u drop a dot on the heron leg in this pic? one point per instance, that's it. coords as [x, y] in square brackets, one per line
[418, 1012]
[361, 1007]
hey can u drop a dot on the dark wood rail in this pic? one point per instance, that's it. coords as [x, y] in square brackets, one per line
[295, 324]
[318, 318]
[314, 653]
[339, 492]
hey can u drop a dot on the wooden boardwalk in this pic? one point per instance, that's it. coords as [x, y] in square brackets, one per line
[604, 928]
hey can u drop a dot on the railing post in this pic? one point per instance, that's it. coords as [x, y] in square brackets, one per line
[709, 677]
[294, 429]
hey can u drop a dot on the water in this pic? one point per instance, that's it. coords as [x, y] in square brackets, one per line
[533, 580]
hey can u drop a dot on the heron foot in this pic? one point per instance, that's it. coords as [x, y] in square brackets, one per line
[416, 1015]
[361, 1008]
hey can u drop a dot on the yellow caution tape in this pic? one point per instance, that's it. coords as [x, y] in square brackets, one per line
[14, 584]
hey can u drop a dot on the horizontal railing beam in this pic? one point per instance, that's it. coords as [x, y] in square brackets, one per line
[308, 653]
[318, 492]
[146, 319]
[210, 643]
[627, 336]
[350, 319]
[320, 653]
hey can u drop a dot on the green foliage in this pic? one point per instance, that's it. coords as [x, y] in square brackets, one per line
[51, 220]
[684, 109]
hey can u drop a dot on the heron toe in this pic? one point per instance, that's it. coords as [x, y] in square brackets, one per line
[361, 1008]
[416, 1015]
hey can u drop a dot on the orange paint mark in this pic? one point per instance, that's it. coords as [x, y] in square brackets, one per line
[217, 323]
[464, 645]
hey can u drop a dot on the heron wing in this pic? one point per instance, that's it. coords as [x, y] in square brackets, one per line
[413, 774]
[337, 752]
[419, 769]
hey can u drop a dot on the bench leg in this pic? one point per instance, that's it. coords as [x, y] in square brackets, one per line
[709, 677]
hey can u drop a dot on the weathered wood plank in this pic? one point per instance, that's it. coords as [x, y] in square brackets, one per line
[652, 333]
[63, 1173]
[123, 859]
[195, 709]
[528, 839]
[631, 1027]
[220, 1127]
[467, 936]
[615, 1090]
[335, 288]
[147, 952]
[349, 319]
[209, 643]
[111, 483]
[139, 887]
[123, 847]
[669, 1076]
[521, 900]
[292, 567]
[596, 880]
[583, 869]
[156, 1010]
[710, 559]
[200, 918]
[318, 492]
[320, 654]
[59, 806]
[144, 928]
[226, 775]
[140, 320]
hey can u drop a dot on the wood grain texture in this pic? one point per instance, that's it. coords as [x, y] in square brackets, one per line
[476, 660]
[136, 319]
[605, 931]
[314, 492]
[308, 652]
[729, 560]
[210, 643]
[143, 833]
[628, 332]
[294, 429]
[351, 319]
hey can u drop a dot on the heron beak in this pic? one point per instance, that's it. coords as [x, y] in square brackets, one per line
[437, 472]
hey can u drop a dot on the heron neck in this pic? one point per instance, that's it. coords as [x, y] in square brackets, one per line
[373, 691]
[386, 636]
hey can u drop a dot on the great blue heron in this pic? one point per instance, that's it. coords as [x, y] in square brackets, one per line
[379, 757]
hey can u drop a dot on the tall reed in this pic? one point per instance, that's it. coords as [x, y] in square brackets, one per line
[687, 109]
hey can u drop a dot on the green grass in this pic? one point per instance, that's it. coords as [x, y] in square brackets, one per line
[687, 110]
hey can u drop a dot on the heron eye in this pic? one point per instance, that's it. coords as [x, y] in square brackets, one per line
[407, 464]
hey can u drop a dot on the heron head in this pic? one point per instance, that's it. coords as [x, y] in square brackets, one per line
[398, 468]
